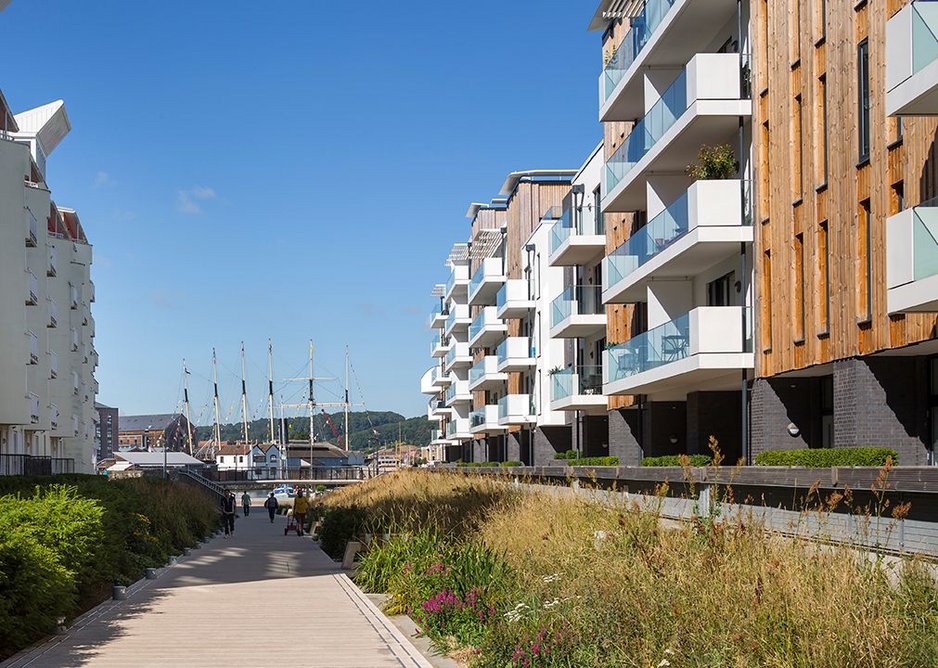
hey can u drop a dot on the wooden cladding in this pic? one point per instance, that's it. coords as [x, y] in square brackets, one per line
[820, 129]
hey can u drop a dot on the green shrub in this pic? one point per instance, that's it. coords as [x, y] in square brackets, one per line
[340, 525]
[675, 460]
[567, 454]
[594, 461]
[512, 463]
[488, 465]
[825, 457]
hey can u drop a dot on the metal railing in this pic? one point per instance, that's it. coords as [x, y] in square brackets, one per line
[35, 465]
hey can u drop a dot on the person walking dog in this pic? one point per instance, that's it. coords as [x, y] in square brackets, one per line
[228, 506]
[270, 503]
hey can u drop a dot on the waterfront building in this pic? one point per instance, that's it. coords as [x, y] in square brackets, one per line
[147, 432]
[47, 354]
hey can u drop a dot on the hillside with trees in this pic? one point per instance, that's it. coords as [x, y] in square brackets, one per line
[368, 430]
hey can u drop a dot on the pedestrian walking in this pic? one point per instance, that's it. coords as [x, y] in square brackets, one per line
[228, 506]
[270, 503]
[300, 506]
[246, 503]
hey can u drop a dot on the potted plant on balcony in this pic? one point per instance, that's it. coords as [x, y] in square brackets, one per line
[714, 163]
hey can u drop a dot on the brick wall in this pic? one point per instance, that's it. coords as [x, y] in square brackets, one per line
[548, 440]
[714, 414]
[623, 436]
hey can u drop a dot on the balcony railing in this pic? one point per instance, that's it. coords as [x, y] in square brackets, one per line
[574, 225]
[29, 465]
[53, 364]
[53, 313]
[924, 30]
[516, 408]
[33, 407]
[515, 346]
[53, 265]
[33, 347]
[581, 380]
[642, 28]
[33, 230]
[54, 415]
[32, 294]
[577, 300]
[660, 345]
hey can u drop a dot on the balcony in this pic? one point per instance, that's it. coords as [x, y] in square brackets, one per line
[489, 277]
[485, 419]
[458, 284]
[458, 429]
[53, 313]
[665, 32]
[90, 292]
[52, 270]
[54, 415]
[437, 408]
[487, 329]
[577, 312]
[704, 349]
[438, 437]
[458, 319]
[437, 319]
[484, 375]
[33, 407]
[440, 379]
[513, 299]
[439, 347]
[75, 340]
[427, 385]
[32, 230]
[516, 353]
[53, 364]
[516, 409]
[458, 357]
[458, 393]
[574, 240]
[703, 226]
[32, 290]
[912, 60]
[33, 347]
[578, 389]
[701, 106]
[73, 296]
[912, 259]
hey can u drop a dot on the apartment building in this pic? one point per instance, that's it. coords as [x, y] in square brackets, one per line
[47, 355]
[107, 425]
[675, 104]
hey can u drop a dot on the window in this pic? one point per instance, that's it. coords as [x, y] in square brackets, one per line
[823, 254]
[766, 300]
[799, 287]
[820, 141]
[797, 178]
[720, 291]
[863, 101]
[865, 256]
[897, 198]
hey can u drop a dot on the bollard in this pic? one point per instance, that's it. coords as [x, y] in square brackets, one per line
[150, 574]
[186, 551]
[119, 593]
[173, 560]
[60, 626]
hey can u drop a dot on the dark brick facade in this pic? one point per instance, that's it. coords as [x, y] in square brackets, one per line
[623, 436]
[663, 421]
[549, 440]
[715, 414]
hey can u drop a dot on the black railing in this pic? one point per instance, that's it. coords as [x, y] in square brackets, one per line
[316, 473]
[32, 465]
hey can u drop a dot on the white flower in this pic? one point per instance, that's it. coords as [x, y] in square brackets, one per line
[669, 651]
[551, 604]
[551, 578]
[663, 663]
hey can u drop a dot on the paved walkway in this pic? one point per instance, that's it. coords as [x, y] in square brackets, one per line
[259, 599]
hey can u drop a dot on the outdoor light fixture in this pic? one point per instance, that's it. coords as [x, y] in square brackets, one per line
[672, 438]
[793, 430]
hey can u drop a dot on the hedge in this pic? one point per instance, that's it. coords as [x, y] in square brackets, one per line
[675, 460]
[593, 461]
[64, 540]
[512, 463]
[826, 457]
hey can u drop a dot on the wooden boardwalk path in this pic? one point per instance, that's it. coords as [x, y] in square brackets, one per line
[258, 599]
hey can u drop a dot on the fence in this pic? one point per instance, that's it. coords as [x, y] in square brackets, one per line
[33, 465]
[316, 473]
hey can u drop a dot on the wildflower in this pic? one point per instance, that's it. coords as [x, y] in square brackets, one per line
[663, 663]
[551, 578]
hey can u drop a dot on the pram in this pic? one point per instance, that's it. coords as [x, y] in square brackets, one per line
[292, 524]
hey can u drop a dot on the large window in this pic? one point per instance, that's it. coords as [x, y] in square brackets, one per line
[863, 99]
[720, 292]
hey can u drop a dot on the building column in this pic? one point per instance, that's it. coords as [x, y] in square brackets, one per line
[623, 436]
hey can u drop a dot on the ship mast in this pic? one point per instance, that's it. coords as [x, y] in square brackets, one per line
[270, 387]
[244, 399]
[215, 380]
[185, 396]
[346, 399]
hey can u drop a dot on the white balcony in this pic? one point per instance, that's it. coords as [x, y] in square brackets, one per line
[577, 312]
[458, 357]
[32, 289]
[912, 60]
[34, 407]
[489, 277]
[516, 409]
[516, 353]
[73, 298]
[578, 389]
[665, 32]
[75, 340]
[440, 379]
[701, 106]
[458, 393]
[513, 299]
[704, 349]
[458, 429]
[33, 341]
[53, 364]
[484, 375]
[438, 437]
[90, 285]
[458, 320]
[576, 239]
[54, 415]
[485, 419]
[437, 319]
[437, 408]
[52, 269]
[458, 284]
[703, 226]
[912, 259]
[426, 381]
[53, 314]
[487, 329]
[32, 229]
[439, 347]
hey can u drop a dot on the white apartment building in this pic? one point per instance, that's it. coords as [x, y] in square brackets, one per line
[47, 355]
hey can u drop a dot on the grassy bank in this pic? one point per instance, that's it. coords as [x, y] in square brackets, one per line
[65, 540]
[510, 579]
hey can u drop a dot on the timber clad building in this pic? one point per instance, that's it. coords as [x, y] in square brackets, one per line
[751, 253]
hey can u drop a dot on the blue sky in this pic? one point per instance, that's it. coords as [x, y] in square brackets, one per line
[290, 170]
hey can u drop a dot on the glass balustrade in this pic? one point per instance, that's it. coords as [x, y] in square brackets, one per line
[924, 30]
[642, 28]
[577, 300]
[666, 343]
[581, 380]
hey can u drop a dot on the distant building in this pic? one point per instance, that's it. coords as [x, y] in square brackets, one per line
[106, 429]
[260, 460]
[320, 454]
[147, 432]
[153, 461]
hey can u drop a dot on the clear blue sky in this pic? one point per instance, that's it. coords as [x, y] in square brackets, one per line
[291, 170]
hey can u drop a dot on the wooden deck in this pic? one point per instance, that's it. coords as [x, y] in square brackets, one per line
[258, 599]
